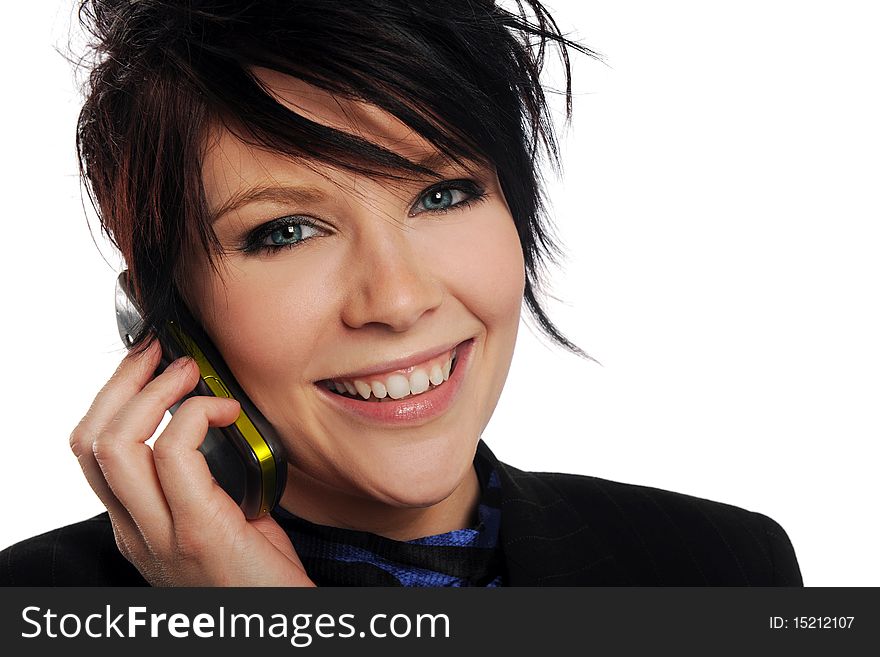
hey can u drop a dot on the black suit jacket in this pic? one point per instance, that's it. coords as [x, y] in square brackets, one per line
[556, 530]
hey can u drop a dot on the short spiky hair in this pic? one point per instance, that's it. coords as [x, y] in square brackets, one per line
[463, 74]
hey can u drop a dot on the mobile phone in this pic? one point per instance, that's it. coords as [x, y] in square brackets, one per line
[246, 458]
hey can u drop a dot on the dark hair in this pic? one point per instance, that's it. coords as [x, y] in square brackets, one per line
[463, 74]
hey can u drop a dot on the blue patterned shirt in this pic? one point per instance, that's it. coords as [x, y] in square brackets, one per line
[471, 556]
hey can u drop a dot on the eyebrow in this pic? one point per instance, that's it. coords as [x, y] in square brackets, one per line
[301, 194]
[271, 193]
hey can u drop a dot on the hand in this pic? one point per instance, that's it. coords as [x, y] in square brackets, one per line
[170, 518]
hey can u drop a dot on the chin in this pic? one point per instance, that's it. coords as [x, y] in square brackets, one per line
[421, 481]
[421, 498]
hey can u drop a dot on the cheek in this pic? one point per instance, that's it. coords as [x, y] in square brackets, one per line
[266, 325]
[484, 267]
[486, 274]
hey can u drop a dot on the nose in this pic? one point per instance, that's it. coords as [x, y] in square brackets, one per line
[392, 281]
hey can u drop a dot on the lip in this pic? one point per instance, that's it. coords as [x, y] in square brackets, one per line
[392, 366]
[415, 410]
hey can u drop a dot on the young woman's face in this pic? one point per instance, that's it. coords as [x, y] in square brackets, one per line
[384, 276]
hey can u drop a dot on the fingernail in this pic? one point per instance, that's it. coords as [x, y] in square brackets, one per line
[180, 363]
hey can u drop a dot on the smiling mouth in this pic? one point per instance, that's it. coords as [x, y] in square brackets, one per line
[396, 387]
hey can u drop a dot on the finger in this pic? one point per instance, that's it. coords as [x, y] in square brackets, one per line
[183, 472]
[82, 449]
[130, 376]
[127, 462]
[125, 530]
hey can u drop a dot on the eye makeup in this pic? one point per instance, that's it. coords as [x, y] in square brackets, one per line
[293, 230]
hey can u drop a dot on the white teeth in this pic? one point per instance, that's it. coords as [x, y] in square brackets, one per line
[436, 376]
[398, 386]
[379, 389]
[363, 389]
[418, 382]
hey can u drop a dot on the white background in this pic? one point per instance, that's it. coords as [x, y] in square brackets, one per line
[720, 213]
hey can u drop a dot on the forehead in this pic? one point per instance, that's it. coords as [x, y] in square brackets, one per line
[230, 165]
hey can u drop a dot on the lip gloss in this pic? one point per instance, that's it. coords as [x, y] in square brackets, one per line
[415, 410]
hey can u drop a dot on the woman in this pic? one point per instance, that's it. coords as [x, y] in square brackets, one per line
[345, 196]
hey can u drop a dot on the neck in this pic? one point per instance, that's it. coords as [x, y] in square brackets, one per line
[321, 504]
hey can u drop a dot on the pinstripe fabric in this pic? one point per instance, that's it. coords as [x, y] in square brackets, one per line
[556, 530]
[573, 530]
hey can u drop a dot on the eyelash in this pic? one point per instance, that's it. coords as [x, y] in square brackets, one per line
[254, 242]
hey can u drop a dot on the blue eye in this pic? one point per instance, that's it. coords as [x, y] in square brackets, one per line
[281, 233]
[439, 199]
[448, 195]
[289, 234]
